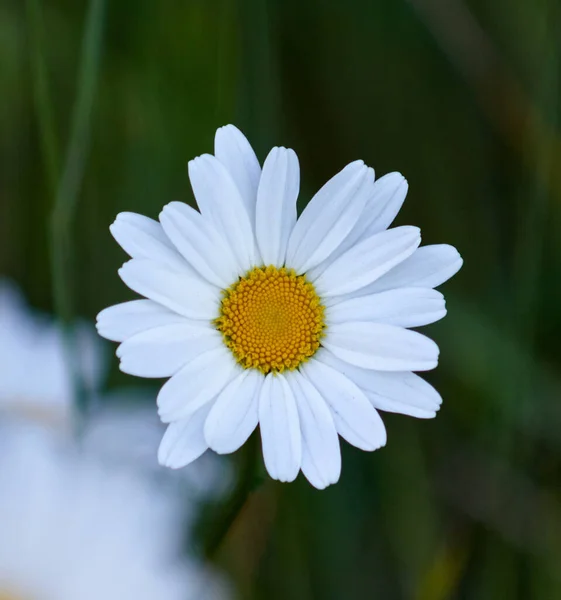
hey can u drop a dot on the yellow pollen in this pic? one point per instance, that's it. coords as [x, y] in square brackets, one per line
[271, 319]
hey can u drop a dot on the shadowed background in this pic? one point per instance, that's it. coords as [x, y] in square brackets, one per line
[103, 104]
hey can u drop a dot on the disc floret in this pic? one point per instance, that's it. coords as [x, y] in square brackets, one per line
[271, 319]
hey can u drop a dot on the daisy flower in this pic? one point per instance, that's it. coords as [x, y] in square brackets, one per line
[73, 531]
[299, 325]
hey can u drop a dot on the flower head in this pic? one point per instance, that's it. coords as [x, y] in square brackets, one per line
[299, 325]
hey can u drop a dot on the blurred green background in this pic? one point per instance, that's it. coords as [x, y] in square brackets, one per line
[102, 105]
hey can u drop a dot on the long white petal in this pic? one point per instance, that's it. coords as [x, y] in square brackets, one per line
[367, 261]
[382, 206]
[428, 267]
[400, 392]
[219, 200]
[321, 455]
[280, 429]
[162, 351]
[183, 441]
[405, 307]
[276, 204]
[329, 217]
[119, 322]
[186, 295]
[381, 347]
[234, 414]
[200, 244]
[233, 150]
[354, 416]
[142, 237]
[197, 383]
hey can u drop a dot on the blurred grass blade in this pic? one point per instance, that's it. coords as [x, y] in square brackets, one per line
[69, 186]
[67, 193]
[41, 95]
[442, 579]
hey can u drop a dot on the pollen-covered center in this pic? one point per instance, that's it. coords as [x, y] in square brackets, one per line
[271, 319]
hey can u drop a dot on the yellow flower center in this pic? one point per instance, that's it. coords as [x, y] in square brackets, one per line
[271, 319]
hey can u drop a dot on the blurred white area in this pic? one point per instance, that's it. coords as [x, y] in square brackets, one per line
[73, 530]
[126, 433]
[96, 517]
[122, 428]
[35, 377]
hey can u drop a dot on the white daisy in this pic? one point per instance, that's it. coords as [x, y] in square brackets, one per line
[298, 325]
[73, 531]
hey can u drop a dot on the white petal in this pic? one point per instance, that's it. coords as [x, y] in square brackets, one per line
[276, 204]
[427, 267]
[329, 217]
[234, 414]
[184, 442]
[189, 296]
[321, 455]
[280, 429]
[123, 320]
[162, 351]
[382, 347]
[405, 307]
[367, 261]
[401, 392]
[219, 201]
[141, 237]
[234, 151]
[382, 206]
[354, 416]
[199, 243]
[197, 383]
